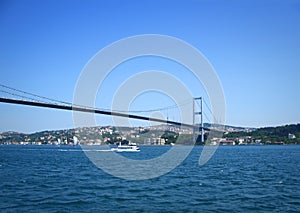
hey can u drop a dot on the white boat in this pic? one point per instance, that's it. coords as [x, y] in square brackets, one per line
[131, 147]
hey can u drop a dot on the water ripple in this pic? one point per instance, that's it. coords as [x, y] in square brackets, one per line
[236, 179]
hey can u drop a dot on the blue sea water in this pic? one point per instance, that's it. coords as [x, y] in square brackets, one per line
[235, 179]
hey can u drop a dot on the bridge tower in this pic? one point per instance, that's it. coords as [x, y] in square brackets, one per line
[198, 113]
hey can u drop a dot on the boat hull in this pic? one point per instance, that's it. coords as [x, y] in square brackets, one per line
[126, 149]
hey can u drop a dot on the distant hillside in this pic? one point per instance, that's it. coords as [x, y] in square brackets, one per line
[230, 128]
[286, 134]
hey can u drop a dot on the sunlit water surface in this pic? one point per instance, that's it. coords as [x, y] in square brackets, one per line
[235, 179]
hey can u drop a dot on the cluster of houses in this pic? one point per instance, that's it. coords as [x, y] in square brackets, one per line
[108, 135]
[89, 136]
[247, 140]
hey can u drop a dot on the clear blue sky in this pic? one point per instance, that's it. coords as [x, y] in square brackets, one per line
[254, 47]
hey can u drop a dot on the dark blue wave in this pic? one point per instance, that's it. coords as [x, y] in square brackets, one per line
[236, 179]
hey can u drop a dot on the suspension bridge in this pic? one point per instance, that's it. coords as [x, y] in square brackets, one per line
[21, 97]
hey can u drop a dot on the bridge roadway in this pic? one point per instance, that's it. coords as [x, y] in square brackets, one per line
[97, 111]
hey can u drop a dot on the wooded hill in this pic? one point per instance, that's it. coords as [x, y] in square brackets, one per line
[289, 134]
